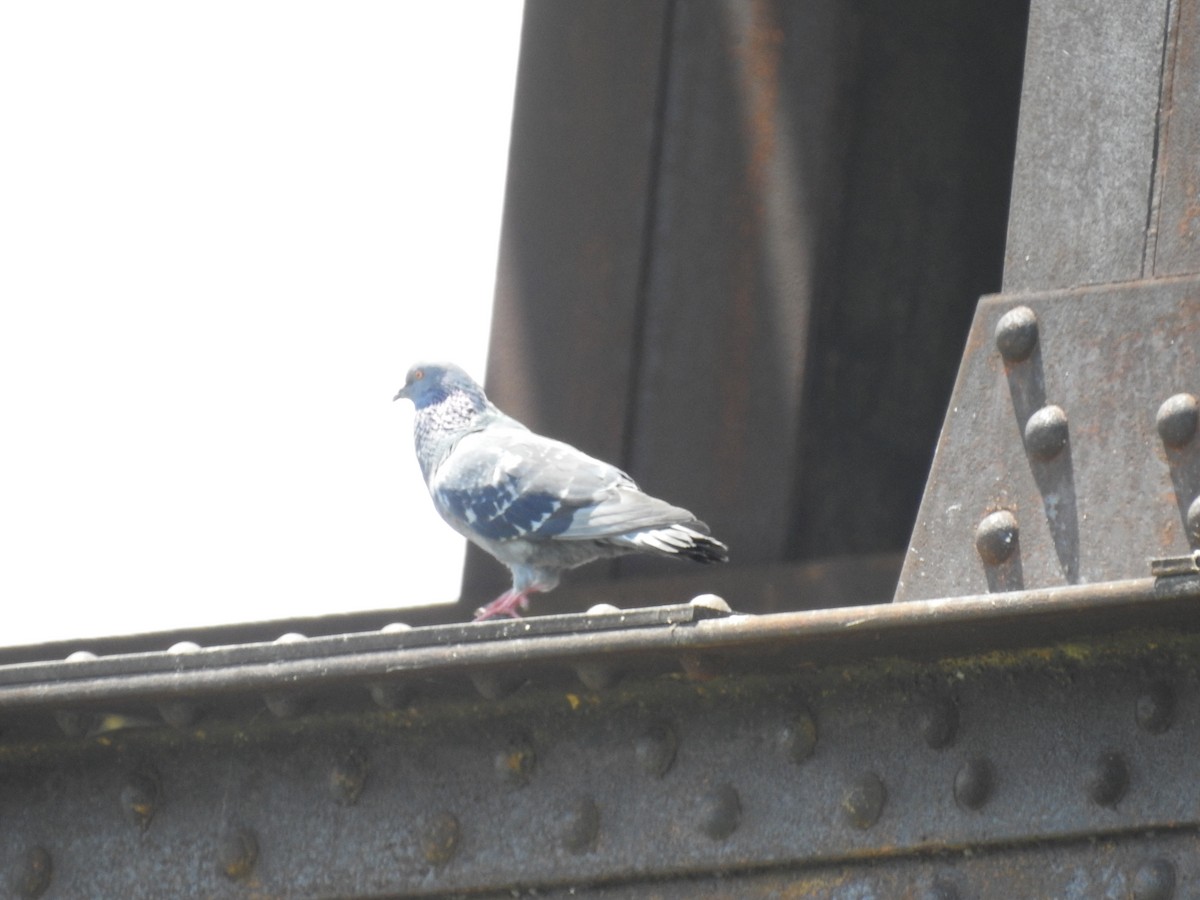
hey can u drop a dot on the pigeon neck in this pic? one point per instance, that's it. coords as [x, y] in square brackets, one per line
[439, 426]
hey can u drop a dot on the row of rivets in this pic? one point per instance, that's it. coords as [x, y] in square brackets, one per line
[717, 811]
[1046, 434]
[1153, 879]
[390, 695]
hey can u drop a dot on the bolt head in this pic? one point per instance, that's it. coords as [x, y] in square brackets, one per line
[1155, 708]
[719, 812]
[1177, 419]
[654, 750]
[1046, 432]
[515, 763]
[1017, 334]
[1154, 880]
[996, 537]
[938, 723]
[238, 852]
[580, 825]
[863, 801]
[140, 798]
[798, 736]
[973, 783]
[1109, 779]
[440, 838]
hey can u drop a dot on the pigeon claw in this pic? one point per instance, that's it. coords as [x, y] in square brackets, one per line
[507, 604]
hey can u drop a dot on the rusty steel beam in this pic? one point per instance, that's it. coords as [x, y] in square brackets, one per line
[1070, 452]
[947, 743]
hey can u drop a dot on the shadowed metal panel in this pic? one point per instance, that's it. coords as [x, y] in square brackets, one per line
[573, 235]
[1086, 143]
[751, 169]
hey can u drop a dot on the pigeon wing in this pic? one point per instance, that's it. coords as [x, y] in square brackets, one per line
[504, 483]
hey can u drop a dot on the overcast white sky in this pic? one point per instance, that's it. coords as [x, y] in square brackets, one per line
[226, 229]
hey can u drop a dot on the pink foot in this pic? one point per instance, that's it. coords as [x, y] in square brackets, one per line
[506, 604]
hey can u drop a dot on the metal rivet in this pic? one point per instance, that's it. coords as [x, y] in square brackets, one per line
[711, 601]
[1193, 521]
[938, 723]
[285, 706]
[1155, 708]
[597, 677]
[580, 825]
[439, 839]
[494, 685]
[1017, 334]
[139, 798]
[1108, 779]
[1046, 432]
[973, 783]
[74, 723]
[516, 762]
[238, 853]
[654, 750]
[719, 811]
[996, 537]
[1154, 880]
[179, 714]
[348, 777]
[602, 609]
[395, 628]
[36, 871]
[82, 656]
[390, 695]
[863, 801]
[1177, 419]
[699, 666]
[798, 736]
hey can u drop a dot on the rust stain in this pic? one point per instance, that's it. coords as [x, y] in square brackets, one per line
[757, 42]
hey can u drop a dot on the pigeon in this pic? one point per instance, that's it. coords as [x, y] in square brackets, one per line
[537, 505]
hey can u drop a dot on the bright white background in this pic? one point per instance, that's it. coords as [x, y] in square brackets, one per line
[226, 230]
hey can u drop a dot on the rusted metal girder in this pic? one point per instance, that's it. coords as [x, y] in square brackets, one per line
[1070, 451]
[1037, 743]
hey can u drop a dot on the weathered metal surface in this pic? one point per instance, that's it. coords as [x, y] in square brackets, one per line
[748, 170]
[573, 239]
[770, 757]
[915, 234]
[1176, 220]
[1066, 456]
[499, 658]
[710, 273]
[1140, 867]
[1086, 143]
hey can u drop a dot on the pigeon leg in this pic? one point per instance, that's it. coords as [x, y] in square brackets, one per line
[507, 604]
[504, 605]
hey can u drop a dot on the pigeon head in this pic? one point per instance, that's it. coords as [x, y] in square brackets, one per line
[430, 383]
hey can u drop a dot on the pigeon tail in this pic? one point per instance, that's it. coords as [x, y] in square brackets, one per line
[687, 541]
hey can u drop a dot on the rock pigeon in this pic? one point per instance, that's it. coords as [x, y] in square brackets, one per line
[536, 504]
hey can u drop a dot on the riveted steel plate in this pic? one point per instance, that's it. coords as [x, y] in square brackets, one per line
[1146, 867]
[822, 763]
[1062, 440]
[1086, 143]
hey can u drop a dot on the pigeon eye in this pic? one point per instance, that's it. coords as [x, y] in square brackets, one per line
[418, 375]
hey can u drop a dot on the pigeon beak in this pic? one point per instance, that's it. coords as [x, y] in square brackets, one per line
[400, 395]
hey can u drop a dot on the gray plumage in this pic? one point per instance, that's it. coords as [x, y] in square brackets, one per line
[536, 504]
